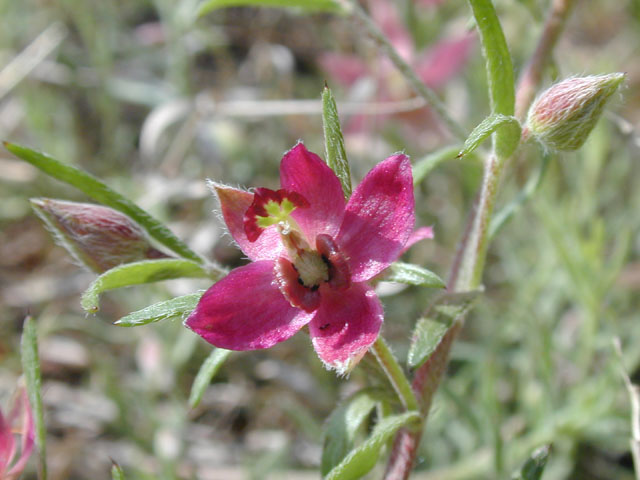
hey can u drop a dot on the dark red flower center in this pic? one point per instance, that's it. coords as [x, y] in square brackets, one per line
[270, 207]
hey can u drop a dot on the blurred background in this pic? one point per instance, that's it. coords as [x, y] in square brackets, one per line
[154, 100]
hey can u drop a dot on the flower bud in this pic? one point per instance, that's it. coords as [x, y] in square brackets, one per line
[562, 117]
[98, 237]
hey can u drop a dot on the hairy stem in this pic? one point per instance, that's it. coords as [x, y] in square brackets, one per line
[418, 85]
[395, 374]
[532, 76]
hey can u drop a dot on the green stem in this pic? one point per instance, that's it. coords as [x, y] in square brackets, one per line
[395, 374]
[468, 275]
[418, 85]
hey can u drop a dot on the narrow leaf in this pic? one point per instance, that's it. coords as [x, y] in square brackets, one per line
[363, 458]
[102, 193]
[499, 69]
[423, 167]
[305, 5]
[31, 369]
[176, 307]
[489, 125]
[343, 425]
[534, 466]
[137, 273]
[414, 275]
[206, 373]
[116, 472]
[440, 316]
[426, 337]
[334, 141]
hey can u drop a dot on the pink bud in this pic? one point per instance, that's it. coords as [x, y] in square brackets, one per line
[562, 117]
[98, 237]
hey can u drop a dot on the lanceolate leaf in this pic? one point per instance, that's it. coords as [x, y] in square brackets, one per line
[363, 458]
[176, 307]
[499, 68]
[146, 271]
[414, 275]
[489, 125]
[31, 368]
[429, 332]
[305, 5]
[343, 425]
[426, 337]
[334, 141]
[534, 466]
[102, 193]
[207, 371]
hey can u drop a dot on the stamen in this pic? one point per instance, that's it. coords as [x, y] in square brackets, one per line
[339, 271]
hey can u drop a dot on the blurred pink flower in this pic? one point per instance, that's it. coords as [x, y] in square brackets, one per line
[435, 66]
[312, 253]
[20, 422]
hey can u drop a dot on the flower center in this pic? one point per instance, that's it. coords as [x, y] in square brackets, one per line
[311, 267]
[271, 207]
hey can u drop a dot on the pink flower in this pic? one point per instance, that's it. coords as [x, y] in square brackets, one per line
[19, 420]
[312, 253]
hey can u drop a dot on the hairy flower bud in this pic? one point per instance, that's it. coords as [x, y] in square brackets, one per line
[562, 117]
[98, 237]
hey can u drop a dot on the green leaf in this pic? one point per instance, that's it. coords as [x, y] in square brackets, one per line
[116, 472]
[102, 193]
[426, 337]
[363, 458]
[489, 125]
[414, 275]
[423, 167]
[176, 307]
[137, 273]
[31, 368]
[343, 425]
[206, 373]
[441, 314]
[304, 5]
[534, 466]
[334, 141]
[499, 69]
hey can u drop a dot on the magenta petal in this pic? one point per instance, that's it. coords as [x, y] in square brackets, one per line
[304, 172]
[345, 325]
[246, 310]
[444, 60]
[379, 218]
[234, 203]
[7, 444]
[422, 233]
[22, 410]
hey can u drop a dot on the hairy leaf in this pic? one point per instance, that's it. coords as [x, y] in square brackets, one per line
[364, 457]
[176, 307]
[334, 141]
[414, 275]
[207, 371]
[102, 193]
[33, 378]
[137, 273]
